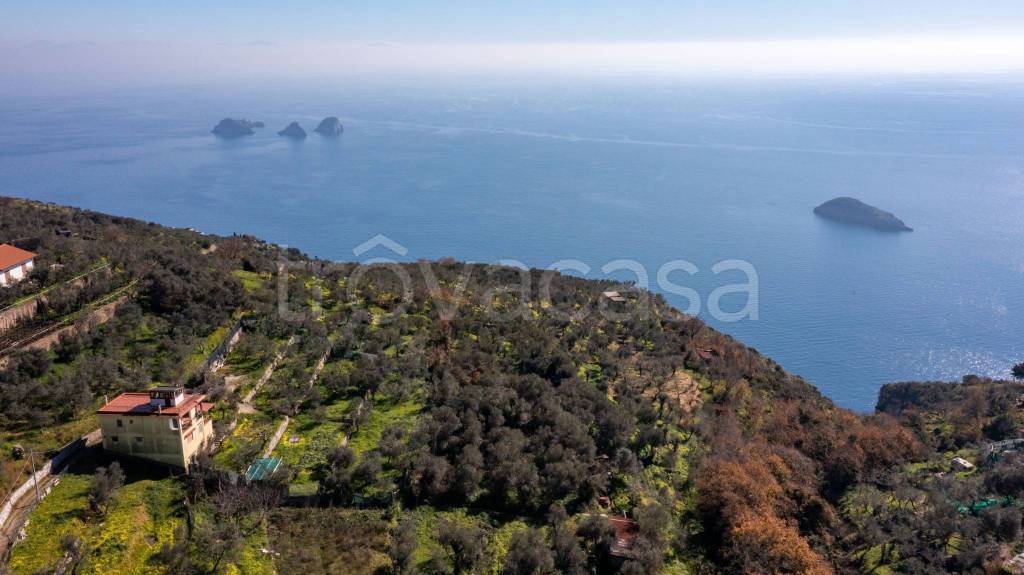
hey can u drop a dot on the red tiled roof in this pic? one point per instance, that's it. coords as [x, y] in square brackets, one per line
[11, 256]
[207, 406]
[626, 531]
[137, 403]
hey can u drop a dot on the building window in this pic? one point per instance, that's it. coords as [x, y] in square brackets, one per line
[174, 424]
[120, 423]
[138, 439]
[114, 439]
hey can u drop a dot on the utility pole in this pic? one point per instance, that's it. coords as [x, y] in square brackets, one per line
[35, 478]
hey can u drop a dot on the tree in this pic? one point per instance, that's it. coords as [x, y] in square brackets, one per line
[402, 548]
[569, 556]
[598, 536]
[359, 413]
[219, 541]
[105, 483]
[466, 545]
[766, 544]
[1018, 371]
[74, 550]
[337, 480]
[528, 554]
[175, 557]
[1002, 427]
[1004, 522]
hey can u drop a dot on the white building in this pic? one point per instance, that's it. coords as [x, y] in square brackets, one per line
[15, 264]
[961, 464]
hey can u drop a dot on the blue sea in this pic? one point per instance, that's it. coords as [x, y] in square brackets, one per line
[542, 171]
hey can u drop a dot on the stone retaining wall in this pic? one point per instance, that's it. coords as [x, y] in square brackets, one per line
[220, 355]
[15, 314]
[52, 466]
[50, 338]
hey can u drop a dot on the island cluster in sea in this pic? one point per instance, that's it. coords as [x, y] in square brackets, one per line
[232, 128]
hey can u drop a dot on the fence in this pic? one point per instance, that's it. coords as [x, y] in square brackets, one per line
[54, 465]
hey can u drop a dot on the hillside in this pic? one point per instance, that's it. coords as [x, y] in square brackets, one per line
[440, 417]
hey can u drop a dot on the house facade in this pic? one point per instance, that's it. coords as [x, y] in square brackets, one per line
[15, 264]
[164, 424]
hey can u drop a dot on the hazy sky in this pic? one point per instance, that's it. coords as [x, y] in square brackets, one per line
[493, 21]
[106, 40]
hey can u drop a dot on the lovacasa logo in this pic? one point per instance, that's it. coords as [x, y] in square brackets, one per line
[379, 241]
[621, 301]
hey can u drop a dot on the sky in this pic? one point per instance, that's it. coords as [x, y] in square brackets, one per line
[107, 41]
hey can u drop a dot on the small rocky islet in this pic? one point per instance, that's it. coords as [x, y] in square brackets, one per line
[855, 212]
[330, 126]
[232, 128]
[293, 131]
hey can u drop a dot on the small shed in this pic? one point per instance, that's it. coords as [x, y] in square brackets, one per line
[614, 296]
[960, 464]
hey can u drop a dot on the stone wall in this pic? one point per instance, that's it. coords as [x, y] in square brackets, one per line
[54, 465]
[13, 315]
[216, 359]
[50, 338]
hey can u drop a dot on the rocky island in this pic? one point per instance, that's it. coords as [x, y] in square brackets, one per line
[231, 128]
[330, 127]
[293, 131]
[855, 212]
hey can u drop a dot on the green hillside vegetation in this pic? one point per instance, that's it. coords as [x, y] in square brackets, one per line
[462, 424]
[125, 539]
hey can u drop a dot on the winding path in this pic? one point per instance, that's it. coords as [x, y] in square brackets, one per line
[284, 424]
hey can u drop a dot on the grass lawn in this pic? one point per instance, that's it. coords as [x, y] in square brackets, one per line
[315, 437]
[250, 560]
[40, 440]
[385, 413]
[251, 281]
[499, 534]
[246, 443]
[144, 516]
[204, 348]
[53, 437]
[329, 541]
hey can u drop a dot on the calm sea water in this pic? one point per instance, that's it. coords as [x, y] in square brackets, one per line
[602, 170]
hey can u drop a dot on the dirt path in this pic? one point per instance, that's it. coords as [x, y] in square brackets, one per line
[245, 406]
[284, 424]
[267, 373]
[277, 437]
[316, 370]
